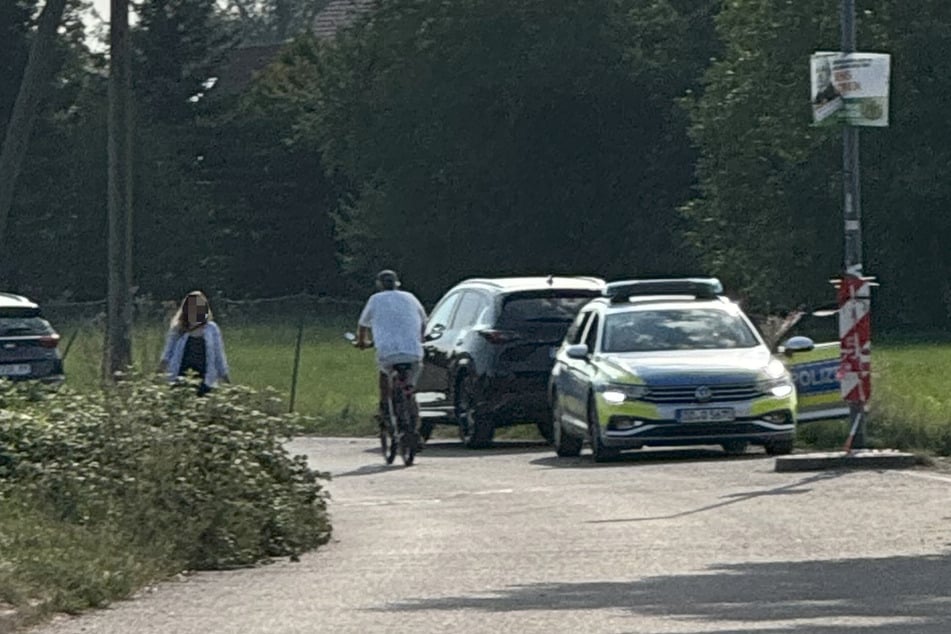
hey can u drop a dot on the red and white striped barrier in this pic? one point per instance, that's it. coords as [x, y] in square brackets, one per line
[855, 365]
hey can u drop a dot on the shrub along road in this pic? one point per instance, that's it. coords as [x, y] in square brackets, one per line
[513, 539]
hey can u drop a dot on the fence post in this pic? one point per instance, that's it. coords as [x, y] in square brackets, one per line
[69, 344]
[297, 347]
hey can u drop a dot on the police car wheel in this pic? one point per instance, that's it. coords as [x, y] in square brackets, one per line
[599, 452]
[566, 445]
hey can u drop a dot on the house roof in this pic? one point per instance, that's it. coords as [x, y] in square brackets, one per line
[339, 14]
[241, 64]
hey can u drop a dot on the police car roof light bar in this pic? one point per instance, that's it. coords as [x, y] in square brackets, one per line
[698, 287]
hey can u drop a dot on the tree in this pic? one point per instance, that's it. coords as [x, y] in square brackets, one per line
[178, 46]
[58, 211]
[39, 66]
[491, 137]
[769, 211]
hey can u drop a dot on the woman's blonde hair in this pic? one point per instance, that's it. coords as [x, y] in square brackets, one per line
[180, 320]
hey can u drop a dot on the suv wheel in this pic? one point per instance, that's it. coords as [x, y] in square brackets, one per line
[476, 427]
[779, 447]
[735, 447]
[546, 430]
[599, 452]
[426, 429]
[566, 445]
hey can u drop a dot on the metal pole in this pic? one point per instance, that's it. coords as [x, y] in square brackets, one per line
[852, 203]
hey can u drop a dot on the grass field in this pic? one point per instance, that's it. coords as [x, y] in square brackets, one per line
[911, 406]
[911, 400]
[335, 384]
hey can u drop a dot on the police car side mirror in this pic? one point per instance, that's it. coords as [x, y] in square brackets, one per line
[577, 351]
[797, 344]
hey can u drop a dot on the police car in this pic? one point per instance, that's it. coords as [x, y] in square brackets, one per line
[672, 363]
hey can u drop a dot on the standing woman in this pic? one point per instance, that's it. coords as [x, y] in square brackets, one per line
[194, 343]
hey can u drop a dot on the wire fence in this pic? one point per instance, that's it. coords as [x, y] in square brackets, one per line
[279, 321]
[147, 309]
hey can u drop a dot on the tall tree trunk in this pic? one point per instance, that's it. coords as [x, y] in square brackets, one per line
[117, 353]
[38, 67]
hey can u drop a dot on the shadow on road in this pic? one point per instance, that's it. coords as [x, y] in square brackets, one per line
[693, 454]
[793, 488]
[894, 594]
[440, 448]
[371, 469]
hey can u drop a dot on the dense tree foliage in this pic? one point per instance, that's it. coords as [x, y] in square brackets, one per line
[769, 216]
[485, 137]
[61, 188]
[491, 137]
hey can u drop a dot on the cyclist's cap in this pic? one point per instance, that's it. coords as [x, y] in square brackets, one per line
[388, 278]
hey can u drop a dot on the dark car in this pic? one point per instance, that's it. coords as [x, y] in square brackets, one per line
[490, 345]
[27, 342]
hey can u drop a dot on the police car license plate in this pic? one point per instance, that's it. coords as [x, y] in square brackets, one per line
[15, 369]
[707, 415]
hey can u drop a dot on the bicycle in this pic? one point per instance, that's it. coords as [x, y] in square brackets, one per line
[398, 432]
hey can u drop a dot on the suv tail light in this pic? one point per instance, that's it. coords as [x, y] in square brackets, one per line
[499, 336]
[49, 341]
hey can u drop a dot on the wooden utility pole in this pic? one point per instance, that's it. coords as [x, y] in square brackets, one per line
[24, 112]
[117, 352]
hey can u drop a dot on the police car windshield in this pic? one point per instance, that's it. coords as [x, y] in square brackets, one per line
[676, 329]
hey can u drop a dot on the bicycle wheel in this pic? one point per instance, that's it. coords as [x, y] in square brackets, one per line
[388, 436]
[405, 429]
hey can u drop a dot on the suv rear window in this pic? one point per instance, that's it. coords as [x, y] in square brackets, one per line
[23, 326]
[547, 308]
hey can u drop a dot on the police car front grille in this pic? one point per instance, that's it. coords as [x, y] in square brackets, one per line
[688, 393]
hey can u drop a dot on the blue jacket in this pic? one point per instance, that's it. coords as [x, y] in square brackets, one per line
[216, 365]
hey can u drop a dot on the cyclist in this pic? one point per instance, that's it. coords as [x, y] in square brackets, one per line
[397, 321]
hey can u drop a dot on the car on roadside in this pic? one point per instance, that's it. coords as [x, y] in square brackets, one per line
[815, 371]
[28, 343]
[670, 362]
[489, 347]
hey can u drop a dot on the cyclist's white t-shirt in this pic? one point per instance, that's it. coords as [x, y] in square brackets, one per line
[396, 319]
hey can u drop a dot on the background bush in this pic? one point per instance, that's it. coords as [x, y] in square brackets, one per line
[164, 480]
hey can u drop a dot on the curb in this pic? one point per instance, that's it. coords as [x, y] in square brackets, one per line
[858, 459]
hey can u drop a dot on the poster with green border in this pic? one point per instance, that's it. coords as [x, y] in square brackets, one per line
[849, 88]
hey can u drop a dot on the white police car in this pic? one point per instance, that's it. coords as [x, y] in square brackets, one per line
[670, 363]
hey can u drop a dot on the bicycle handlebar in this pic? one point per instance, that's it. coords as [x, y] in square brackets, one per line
[352, 338]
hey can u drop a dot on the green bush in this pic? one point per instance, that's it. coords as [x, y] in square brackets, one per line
[194, 482]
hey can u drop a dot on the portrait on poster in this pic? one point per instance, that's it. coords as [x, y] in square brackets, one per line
[850, 88]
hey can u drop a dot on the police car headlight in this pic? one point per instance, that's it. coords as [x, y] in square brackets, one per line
[775, 369]
[780, 387]
[618, 393]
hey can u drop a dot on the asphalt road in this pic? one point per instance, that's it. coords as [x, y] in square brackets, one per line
[515, 540]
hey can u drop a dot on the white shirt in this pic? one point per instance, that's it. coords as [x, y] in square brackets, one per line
[396, 319]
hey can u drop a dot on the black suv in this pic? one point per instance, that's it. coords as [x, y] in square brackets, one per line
[27, 342]
[490, 346]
